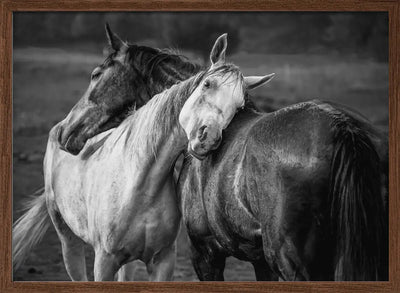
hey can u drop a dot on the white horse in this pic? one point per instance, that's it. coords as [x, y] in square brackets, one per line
[118, 194]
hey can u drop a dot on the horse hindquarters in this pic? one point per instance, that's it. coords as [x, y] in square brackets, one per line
[357, 210]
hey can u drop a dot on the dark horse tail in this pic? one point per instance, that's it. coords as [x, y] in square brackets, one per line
[358, 215]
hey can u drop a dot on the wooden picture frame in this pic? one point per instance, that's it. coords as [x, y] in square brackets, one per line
[6, 11]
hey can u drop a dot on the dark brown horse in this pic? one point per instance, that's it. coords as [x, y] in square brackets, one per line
[297, 189]
[128, 78]
[284, 208]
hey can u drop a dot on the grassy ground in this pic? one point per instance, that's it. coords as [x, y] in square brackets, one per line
[48, 82]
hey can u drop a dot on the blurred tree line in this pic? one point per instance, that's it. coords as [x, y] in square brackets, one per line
[365, 34]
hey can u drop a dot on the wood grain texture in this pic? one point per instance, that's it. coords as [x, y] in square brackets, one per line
[8, 7]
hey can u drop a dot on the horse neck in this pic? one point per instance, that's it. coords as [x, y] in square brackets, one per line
[152, 137]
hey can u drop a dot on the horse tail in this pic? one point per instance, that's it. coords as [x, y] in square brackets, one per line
[358, 215]
[30, 228]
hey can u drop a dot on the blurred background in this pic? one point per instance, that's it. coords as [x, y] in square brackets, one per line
[342, 57]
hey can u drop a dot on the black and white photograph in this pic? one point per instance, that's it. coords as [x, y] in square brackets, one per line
[200, 146]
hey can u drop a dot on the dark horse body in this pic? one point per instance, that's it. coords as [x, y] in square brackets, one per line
[271, 193]
[296, 191]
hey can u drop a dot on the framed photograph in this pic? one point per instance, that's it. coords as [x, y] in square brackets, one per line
[184, 146]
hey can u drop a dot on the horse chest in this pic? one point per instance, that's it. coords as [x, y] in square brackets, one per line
[68, 198]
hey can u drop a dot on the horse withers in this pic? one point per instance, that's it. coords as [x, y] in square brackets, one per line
[118, 194]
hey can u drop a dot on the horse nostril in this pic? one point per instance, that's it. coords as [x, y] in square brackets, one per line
[59, 134]
[217, 143]
[202, 133]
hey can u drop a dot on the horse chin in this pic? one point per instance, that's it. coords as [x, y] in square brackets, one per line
[196, 155]
[108, 124]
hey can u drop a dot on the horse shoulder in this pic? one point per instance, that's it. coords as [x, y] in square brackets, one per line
[191, 199]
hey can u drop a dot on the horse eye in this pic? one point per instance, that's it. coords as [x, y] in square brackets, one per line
[207, 84]
[96, 75]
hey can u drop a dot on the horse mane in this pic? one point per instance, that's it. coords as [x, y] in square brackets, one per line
[146, 127]
[163, 63]
[160, 115]
[164, 66]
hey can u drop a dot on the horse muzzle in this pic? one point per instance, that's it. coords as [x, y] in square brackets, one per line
[205, 140]
[70, 141]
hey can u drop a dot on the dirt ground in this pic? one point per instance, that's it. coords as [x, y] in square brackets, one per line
[47, 83]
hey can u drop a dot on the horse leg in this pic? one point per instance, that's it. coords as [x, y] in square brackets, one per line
[284, 223]
[72, 246]
[286, 258]
[209, 266]
[281, 252]
[127, 272]
[289, 260]
[263, 271]
[161, 266]
[105, 266]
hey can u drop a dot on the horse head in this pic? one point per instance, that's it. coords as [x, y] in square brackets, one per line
[128, 78]
[213, 104]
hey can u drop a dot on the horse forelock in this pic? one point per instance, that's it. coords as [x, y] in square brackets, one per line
[229, 70]
[109, 60]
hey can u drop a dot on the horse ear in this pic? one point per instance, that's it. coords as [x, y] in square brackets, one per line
[114, 41]
[253, 82]
[218, 51]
